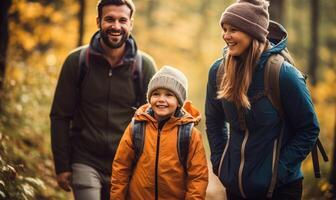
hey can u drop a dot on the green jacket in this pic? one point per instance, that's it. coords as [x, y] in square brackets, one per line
[87, 123]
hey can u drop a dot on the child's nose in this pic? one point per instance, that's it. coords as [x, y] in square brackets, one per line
[161, 98]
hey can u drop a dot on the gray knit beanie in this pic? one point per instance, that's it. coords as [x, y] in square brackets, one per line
[171, 79]
[249, 16]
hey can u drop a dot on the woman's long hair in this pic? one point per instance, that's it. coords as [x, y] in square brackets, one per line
[238, 75]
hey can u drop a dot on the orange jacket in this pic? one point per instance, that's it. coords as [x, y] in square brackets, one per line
[139, 182]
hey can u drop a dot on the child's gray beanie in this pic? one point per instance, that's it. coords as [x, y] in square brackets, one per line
[171, 79]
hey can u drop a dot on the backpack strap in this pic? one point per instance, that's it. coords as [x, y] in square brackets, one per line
[83, 65]
[276, 164]
[316, 166]
[221, 69]
[138, 137]
[184, 134]
[271, 81]
[272, 91]
[220, 73]
[137, 76]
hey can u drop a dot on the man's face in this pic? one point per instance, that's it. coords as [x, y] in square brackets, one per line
[115, 25]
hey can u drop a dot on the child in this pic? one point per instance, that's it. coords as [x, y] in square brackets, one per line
[158, 172]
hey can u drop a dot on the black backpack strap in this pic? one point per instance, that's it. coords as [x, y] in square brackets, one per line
[316, 166]
[184, 134]
[138, 138]
[83, 65]
[137, 76]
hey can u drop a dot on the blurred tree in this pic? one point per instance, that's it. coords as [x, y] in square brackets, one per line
[276, 10]
[332, 178]
[203, 11]
[152, 6]
[81, 15]
[314, 41]
[4, 37]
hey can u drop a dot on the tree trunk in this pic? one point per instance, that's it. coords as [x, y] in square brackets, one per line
[4, 38]
[313, 57]
[276, 10]
[332, 178]
[81, 15]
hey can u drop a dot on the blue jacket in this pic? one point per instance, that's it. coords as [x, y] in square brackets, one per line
[243, 161]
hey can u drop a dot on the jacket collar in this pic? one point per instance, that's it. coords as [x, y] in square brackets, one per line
[278, 38]
[129, 55]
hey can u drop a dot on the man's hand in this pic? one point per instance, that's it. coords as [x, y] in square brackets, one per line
[63, 180]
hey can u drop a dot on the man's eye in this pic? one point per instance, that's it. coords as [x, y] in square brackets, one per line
[123, 20]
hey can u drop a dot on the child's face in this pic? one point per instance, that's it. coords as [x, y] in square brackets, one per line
[164, 103]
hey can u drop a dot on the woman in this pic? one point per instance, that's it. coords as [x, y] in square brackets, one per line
[243, 126]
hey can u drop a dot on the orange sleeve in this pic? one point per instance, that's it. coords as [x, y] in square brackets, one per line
[122, 167]
[197, 180]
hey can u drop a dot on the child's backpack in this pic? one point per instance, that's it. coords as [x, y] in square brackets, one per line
[183, 140]
[272, 91]
[137, 73]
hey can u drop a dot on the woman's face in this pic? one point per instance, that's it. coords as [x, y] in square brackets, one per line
[237, 41]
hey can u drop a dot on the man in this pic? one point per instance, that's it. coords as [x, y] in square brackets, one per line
[92, 106]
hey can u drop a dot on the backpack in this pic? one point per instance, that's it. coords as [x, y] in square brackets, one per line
[137, 73]
[272, 91]
[183, 140]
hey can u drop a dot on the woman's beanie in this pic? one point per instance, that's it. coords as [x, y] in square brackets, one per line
[171, 79]
[249, 16]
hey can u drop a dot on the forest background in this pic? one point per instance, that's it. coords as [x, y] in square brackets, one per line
[37, 35]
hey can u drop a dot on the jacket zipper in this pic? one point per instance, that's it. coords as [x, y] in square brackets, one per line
[225, 150]
[274, 155]
[242, 162]
[107, 135]
[110, 72]
[156, 165]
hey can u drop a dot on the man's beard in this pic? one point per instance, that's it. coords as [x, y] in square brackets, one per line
[111, 44]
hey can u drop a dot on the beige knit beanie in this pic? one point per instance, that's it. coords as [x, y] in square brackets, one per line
[171, 79]
[249, 16]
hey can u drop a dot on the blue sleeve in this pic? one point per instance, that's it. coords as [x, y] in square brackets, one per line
[215, 119]
[299, 115]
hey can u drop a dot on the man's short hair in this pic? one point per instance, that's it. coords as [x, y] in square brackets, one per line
[102, 3]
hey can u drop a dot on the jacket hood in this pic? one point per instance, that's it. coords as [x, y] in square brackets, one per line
[277, 36]
[131, 47]
[188, 113]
